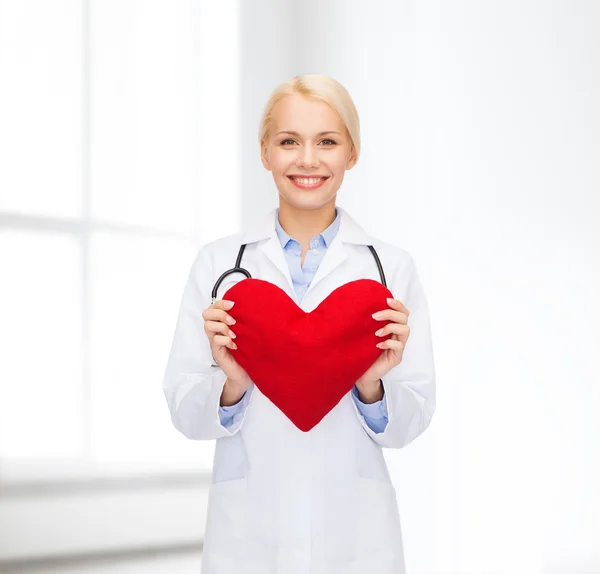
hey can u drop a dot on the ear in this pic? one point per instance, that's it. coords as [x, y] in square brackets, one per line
[264, 156]
[352, 159]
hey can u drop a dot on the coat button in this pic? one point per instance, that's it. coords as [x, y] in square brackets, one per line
[315, 251]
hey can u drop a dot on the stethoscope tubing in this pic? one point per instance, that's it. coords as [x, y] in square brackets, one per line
[238, 269]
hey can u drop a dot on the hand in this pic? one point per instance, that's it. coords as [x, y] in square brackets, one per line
[220, 336]
[394, 346]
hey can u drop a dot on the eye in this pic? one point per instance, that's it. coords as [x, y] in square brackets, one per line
[284, 142]
[328, 140]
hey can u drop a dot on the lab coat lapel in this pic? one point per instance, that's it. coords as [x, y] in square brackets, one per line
[273, 250]
[337, 252]
[334, 256]
[265, 229]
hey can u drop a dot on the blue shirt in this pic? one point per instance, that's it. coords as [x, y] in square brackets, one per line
[375, 414]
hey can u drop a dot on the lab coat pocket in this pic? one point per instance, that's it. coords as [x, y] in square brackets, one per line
[230, 461]
[225, 526]
[378, 530]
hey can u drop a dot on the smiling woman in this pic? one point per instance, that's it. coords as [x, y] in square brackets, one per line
[314, 382]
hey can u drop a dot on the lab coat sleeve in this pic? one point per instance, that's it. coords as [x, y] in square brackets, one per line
[374, 414]
[192, 382]
[410, 386]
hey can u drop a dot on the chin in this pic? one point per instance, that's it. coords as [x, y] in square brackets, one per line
[306, 198]
[307, 203]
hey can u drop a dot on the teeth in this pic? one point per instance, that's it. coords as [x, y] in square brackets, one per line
[308, 180]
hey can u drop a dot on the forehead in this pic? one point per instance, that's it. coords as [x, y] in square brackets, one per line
[305, 115]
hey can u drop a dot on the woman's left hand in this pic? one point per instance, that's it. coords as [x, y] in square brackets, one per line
[394, 346]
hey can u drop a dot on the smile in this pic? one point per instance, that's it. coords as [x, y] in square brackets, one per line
[308, 182]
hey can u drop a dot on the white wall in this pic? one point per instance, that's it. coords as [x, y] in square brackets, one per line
[510, 149]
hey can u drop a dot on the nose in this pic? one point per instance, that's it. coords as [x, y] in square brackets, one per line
[307, 158]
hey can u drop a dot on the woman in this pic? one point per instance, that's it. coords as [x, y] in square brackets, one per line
[282, 500]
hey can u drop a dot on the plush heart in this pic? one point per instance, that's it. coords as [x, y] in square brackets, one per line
[304, 363]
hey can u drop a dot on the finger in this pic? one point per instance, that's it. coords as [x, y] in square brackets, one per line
[398, 305]
[389, 314]
[402, 331]
[392, 344]
[214, 327]
[224, 341]
[224, 304]
[218, 315]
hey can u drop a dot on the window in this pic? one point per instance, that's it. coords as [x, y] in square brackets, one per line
[117, 125]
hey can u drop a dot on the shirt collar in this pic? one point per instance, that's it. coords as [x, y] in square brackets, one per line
[328, 234]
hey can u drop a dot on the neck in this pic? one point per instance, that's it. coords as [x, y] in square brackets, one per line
[304, 224]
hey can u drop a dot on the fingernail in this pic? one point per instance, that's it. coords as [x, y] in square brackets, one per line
[229, 304]
[232, 334]
[230, 320]
[376, 315]
[390, 301]
[234, 346]
[379, 333]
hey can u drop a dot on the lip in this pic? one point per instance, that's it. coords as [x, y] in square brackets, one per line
[312, 186]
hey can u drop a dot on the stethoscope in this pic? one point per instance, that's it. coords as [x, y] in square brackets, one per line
[238, 269]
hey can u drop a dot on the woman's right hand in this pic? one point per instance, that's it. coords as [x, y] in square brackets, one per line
[220, 336]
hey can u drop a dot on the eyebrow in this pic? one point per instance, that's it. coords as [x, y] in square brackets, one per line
[297, 134]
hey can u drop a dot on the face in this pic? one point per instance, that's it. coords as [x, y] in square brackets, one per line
[308, 151]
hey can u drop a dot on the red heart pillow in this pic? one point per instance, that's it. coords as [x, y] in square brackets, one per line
[306, 362]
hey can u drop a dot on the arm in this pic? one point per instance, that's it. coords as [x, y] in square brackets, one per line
[193, 383]
[410, 386]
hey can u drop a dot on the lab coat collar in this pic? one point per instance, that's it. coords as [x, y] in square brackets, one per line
[349, 232]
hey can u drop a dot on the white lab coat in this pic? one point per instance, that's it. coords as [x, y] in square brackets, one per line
[283, 501]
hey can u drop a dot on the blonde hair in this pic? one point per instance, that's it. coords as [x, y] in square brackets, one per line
[319, 87]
